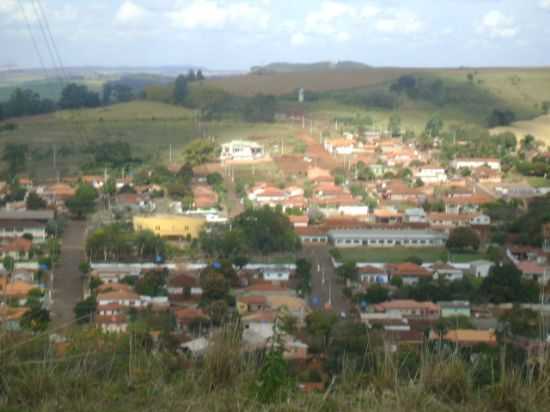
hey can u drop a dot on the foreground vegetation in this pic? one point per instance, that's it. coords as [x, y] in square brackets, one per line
[131, 373]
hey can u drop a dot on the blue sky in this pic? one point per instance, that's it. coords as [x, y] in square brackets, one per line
[236, 34]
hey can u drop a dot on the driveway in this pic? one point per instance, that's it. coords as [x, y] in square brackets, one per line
[67, 280]
[325, 288]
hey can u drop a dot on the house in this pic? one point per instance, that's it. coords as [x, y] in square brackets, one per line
[386, 237]
[481, 268]
[339, 146]
[476, 163]
[18, 291]
[453, 220]
[468, 337]
[455, 308]
[387, 216]
[241, 150]
[445, 271]
[465, 204]
[409, 273]
[58, 192]
[372, 274]
[113, 275]
[299, 221]
[486, 175]
[170, 226]
[431, 175]
[415, 215]
[10, 318]
[276, 273]
[312, 234]
[293, 305]
[18, 249]
[126, 299]
[204, 197]
[184, 286]
[533, 270]
[251, 303]
[409, 309]
[32, 222]
[386, 321]
[187, 316]
[112, 318]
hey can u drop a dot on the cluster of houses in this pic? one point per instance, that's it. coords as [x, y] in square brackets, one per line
[262, 296]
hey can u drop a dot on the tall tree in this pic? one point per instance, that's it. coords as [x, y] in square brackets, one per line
[394, 124]
[200, 76]
[83, 202]
[191, 76]
[180, 89]
[15, 154]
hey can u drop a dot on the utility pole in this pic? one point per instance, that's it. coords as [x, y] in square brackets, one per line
[54, 156]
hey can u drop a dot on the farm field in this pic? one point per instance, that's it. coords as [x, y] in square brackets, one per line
[396, 255]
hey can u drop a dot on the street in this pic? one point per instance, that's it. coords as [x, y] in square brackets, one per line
[67, 280]
[325, 288]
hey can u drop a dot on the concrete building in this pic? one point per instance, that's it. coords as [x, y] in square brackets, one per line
[455, 308]
[378, 237]
[170, 226]
[242, 150]
[16, 224]
[476, 163]
[431, 175]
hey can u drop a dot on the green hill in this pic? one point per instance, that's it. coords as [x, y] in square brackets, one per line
[308, 67]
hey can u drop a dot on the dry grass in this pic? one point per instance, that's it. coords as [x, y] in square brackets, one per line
[538, 127]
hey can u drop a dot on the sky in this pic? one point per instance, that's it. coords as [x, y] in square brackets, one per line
[237, 34]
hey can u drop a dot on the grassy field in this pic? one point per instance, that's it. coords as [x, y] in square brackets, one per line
[538, 127]
[150, 128]
[397, 255]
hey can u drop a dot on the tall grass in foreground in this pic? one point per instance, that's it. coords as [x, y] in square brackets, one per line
[125, 373]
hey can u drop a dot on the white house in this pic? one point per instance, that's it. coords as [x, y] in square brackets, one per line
[242, 150]
[416, 215]
[480, 219]
[276, 274]
[353, 210]
[431, 175]
[476, 163]
[339, 146]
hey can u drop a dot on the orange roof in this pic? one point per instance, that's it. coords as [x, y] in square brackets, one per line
[298, 219]
[61, 189]
[407, 304]
[475, 199]
[8, 313]
[386, 213]
[266, 287]
[340, 142]
[189, 314]
[408, 269]
[528, 267]
[262, 316]
[471, 336]
[253, 300]
[17, 245]
[19, 288]
[114, 287]
[118, 295]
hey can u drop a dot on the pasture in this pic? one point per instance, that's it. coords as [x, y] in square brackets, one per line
[538, 127]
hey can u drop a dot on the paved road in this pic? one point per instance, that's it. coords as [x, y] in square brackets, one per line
[324, 281]
[67, 282]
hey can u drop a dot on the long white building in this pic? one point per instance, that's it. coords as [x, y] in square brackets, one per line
[476, 163]
[242, 150]
[377, 237]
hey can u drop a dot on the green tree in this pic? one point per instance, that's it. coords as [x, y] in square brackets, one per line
[180, 89]
[9, 264]
[109, 190]
[303, 276]
[504, 284]
[545, 107]
[36, 319]
[83, 202]
[463, 239]
[35, 202]
[319, 325]
[152, 283]
[348, 271]
[15, 155]
[200, 151]
[434, 126]
[376, 294]
[260, 108]
[394, 124]
[85, 310]
[200, 76]
[74, 96]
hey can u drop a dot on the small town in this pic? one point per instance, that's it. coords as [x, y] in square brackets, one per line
[186, 226]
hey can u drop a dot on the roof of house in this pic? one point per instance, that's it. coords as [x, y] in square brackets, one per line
[528, 267]
[118, 295]
[298, 219]
[386, 213]
[474, 199]
[17, 245]
[27, 215]
[7, 313]
[266, 287]
[290, 302]
[19, 288]
[408, 269]
[61, 189]
[471, 336]
[406, 304]
[253, 300]
[370, 270]
[189, 314]
[261, 316]
[341, 142]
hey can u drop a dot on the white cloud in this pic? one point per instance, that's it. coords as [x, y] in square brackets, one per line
[21, 12]
[210, 14]
[325, 19]
[298, 39]
[369, 11]
[343, 36]
[130, 12]
[398, 21]
[545, 4]
[498, 25]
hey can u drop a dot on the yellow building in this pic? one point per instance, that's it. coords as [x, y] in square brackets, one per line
[170, 226]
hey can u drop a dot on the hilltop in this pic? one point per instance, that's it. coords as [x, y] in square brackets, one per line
[285, 67]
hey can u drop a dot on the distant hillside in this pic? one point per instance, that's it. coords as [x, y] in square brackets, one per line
[309, 67]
